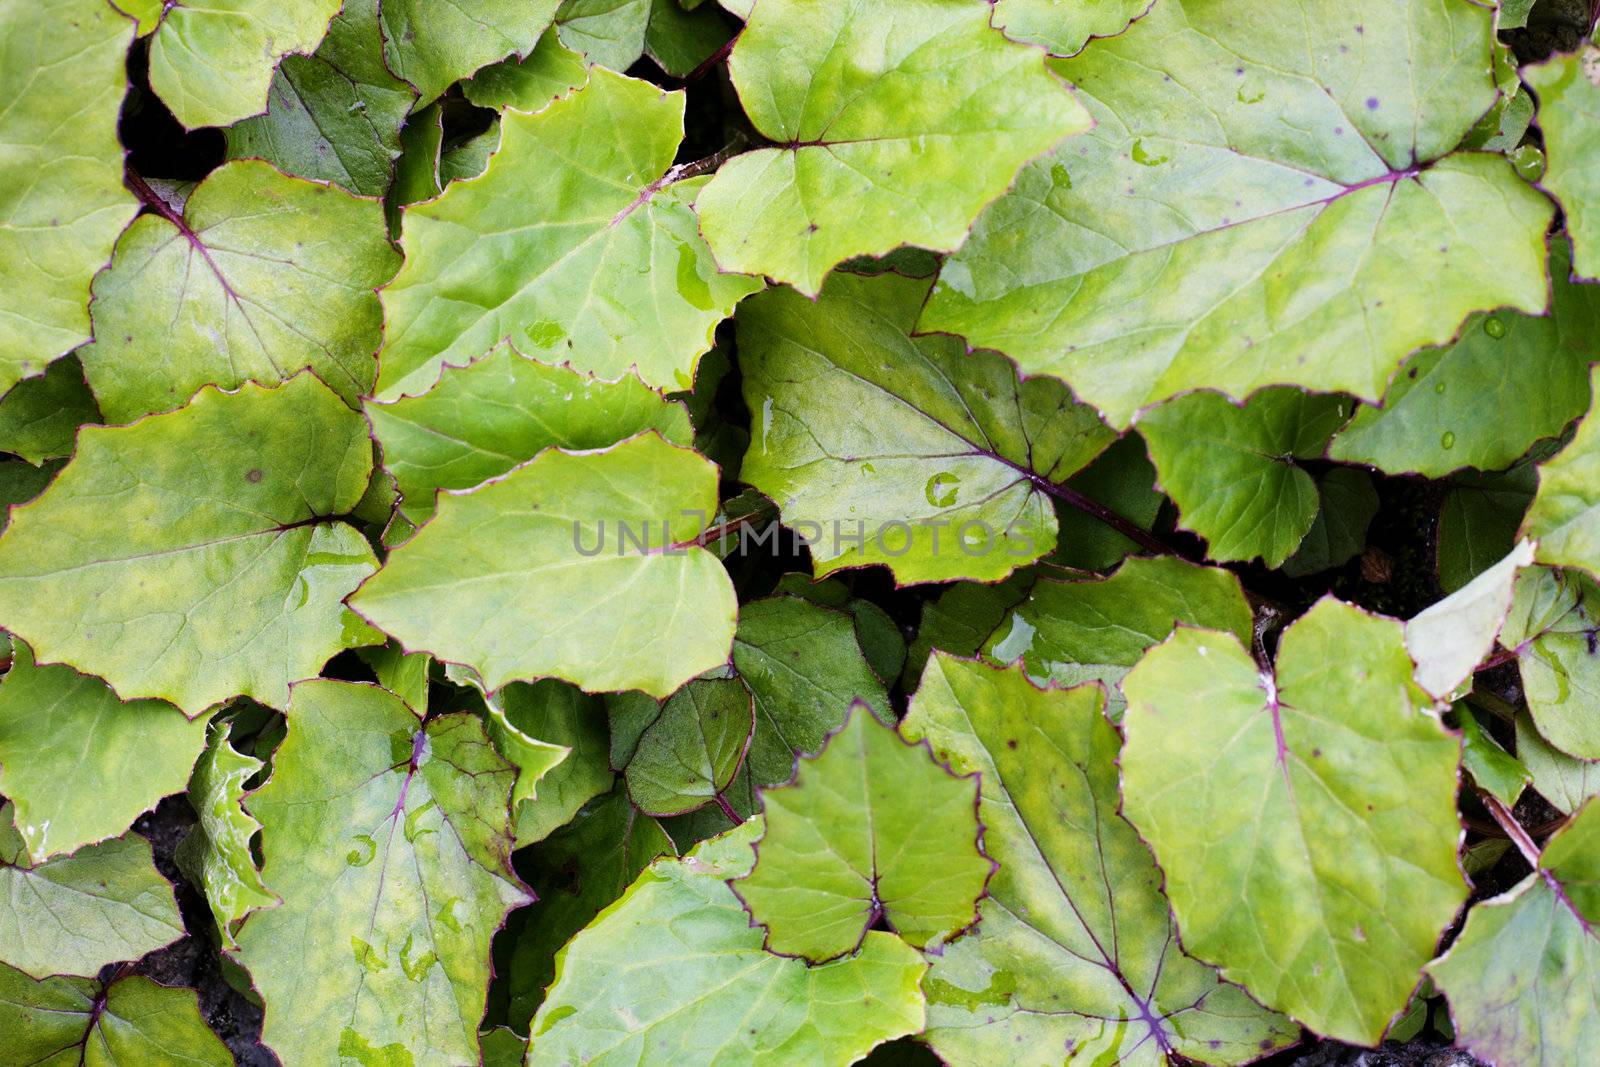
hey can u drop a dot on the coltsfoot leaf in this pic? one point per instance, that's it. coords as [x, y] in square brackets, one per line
[578, 285]
[212, 63]
[262, 276]
[205, 561]
[63, 203]
[133, 1022]
[334, 115]
[1304, 818]
[388, 840]
[870, 829]
[630, 986]
[1523, 975]
[479, 421]
[1075, 954]
[881, 447]
[1067, 632]
[893, 125]
[1552, 628]
[1565, 516]
[80, 765]
[1255, 206]
[1568, 88]
[1234, 470]
[217, 853]
[74, 914]
[575, 557]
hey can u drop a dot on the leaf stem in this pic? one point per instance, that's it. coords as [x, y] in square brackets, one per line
[1089, 506]
[1508, 822]
[727, 809]
[711, 61]
[152, 199]
[1505, 655]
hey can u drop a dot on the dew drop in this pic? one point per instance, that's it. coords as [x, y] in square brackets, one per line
[1438, 387]
[1494, 327]
[362, 854]
[1144, 158]
[941, 489]
[1448, 440]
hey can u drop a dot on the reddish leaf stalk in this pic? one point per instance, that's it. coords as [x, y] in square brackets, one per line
[1508, 822]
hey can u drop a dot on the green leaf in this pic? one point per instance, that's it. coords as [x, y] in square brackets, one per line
[432, 45]
[680, 41]
[940, 461]
[555, 715]
[203, 564]
[1066, 632]
[892, 125]
[877, 634]
[575, 873]
[1450, 637]
[388, 842]
[1458, 407]
[691, 747]
[631, 987]
[262, 276]
[871, 829]
[62, 77]
[1503, 126]
[334, 115]
[569, 288]
[804, 665]
[1232, 469]
[1568, 88]
[1521, 977]
[79, 764]
[1478, 521]
[1514, 14]
[405, 674]
[1326, 799]
[21, 482]
[1346, 506]
[133, 1022]
[147, 13]
[428, 164]
[1254, 207]
[1552, 629]
[75, 914]
[39, 417]
[961, 619]
[1123, 479]
[1565, 517]
[502, 1047]
[1075, 949]
[533, 758]
[502, 409]
[608, 32]
[1492, 767]
[554, 545]
[1563, 780]
[216, 855]
[548, 73]
[212, 64]
[1063, 29]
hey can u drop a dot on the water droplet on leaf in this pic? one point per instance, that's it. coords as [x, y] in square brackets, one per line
[362, 854]
[1145, 158]
[941, 489]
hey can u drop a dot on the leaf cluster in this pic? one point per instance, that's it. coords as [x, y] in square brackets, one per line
[799, 531]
